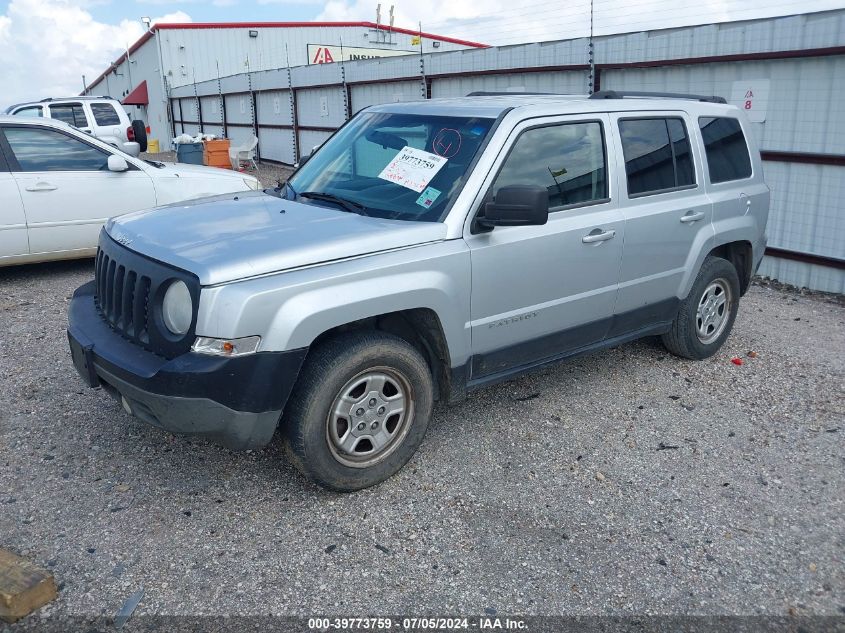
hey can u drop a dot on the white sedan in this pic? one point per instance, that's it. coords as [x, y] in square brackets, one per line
[59, 185]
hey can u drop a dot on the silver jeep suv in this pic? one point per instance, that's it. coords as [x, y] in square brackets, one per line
[425, 250]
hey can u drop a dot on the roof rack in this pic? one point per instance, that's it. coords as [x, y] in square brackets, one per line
[48, 99]
[483, 93]
[614, 94]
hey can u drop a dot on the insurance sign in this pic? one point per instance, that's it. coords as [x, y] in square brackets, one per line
[323, 54]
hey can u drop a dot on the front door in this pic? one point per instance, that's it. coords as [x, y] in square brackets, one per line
[541, 292]
[67, 189]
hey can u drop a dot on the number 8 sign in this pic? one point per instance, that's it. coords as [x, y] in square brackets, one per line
[752, 96]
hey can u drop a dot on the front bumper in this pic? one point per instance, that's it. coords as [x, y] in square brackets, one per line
[236, 402]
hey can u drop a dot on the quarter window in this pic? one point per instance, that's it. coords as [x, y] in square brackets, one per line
[727, 151]
[37, 149]
[657, 155]
[105, 114]
[567, 159]
[70, 113]
[32, 111]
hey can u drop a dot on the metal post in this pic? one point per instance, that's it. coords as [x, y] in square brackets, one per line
[345, 88]
[197, 97]
[591, 84]
[293, 117]
[423, 83]
[223, 130]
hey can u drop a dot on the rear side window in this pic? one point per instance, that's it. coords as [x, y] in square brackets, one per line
[567, 159]
[727, 151]
[105, 114]
[38, 149]
[70, 113]
[657, 155]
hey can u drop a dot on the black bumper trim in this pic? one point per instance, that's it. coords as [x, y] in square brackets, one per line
[256, 383]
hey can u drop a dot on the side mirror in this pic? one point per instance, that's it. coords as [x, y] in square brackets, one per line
[517, 205]
[117, 163]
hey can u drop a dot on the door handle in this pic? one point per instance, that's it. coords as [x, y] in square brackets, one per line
[42, 186]
[597, 235]
[692, 216]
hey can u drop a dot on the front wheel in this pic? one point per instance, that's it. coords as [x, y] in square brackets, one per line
[706, 317]
[359, 411]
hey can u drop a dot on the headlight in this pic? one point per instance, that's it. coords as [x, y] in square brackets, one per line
[226, 346]
[177, 308]
[252, 184]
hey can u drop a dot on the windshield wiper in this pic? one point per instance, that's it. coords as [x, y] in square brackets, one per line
[349, 205]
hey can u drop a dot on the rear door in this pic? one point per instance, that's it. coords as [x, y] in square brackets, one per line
[13, 238]
[668, 215]
[72, 113]
[67, 189]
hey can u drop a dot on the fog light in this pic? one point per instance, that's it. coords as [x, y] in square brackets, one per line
[226, 346]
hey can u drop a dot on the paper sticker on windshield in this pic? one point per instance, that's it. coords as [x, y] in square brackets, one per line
[413, 168]
[428, 197]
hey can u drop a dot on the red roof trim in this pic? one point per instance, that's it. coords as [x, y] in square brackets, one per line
[277, 25]
[138, 96]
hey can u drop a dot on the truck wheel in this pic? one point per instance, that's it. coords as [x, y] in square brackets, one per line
[140, 130]
[706, 316]
[359, 411]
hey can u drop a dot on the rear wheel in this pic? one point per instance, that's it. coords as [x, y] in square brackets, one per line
[140, 131]
[707, 315]
[359, 411]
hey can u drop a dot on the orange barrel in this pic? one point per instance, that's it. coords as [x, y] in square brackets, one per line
[216, 153]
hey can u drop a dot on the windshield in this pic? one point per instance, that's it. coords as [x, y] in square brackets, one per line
[388, 165]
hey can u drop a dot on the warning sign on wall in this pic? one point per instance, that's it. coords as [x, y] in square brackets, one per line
[752, 97]
[322, 54]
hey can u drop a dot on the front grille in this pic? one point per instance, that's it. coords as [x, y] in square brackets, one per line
[123, 298]
[129, 291]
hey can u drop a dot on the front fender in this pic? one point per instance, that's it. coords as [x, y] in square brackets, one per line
[290, 310]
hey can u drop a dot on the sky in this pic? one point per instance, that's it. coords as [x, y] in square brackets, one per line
[47, 45]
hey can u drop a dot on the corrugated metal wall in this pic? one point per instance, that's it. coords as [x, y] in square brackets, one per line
[802, 57]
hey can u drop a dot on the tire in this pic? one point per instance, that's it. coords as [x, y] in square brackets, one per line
[697, 335]
[140, 133]
[343, 452]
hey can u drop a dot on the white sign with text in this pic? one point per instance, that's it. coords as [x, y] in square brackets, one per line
[752, 97]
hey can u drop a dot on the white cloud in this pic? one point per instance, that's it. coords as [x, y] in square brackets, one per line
[47, 45]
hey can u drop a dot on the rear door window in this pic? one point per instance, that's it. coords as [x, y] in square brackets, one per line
[40, 149]
[726, 149]
[105, 114]
[657, 153]
[70, 113]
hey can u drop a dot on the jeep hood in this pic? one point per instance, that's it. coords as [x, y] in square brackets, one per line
[234, 236]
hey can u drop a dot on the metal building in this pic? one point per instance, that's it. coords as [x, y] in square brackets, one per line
[170, 56]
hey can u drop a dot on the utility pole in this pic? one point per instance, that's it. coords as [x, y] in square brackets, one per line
[84, 86]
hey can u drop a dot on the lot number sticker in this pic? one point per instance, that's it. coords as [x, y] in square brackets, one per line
[752, 97]
[413, 168]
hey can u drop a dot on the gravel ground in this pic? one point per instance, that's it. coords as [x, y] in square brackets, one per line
[626, 482]
[268, 173]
